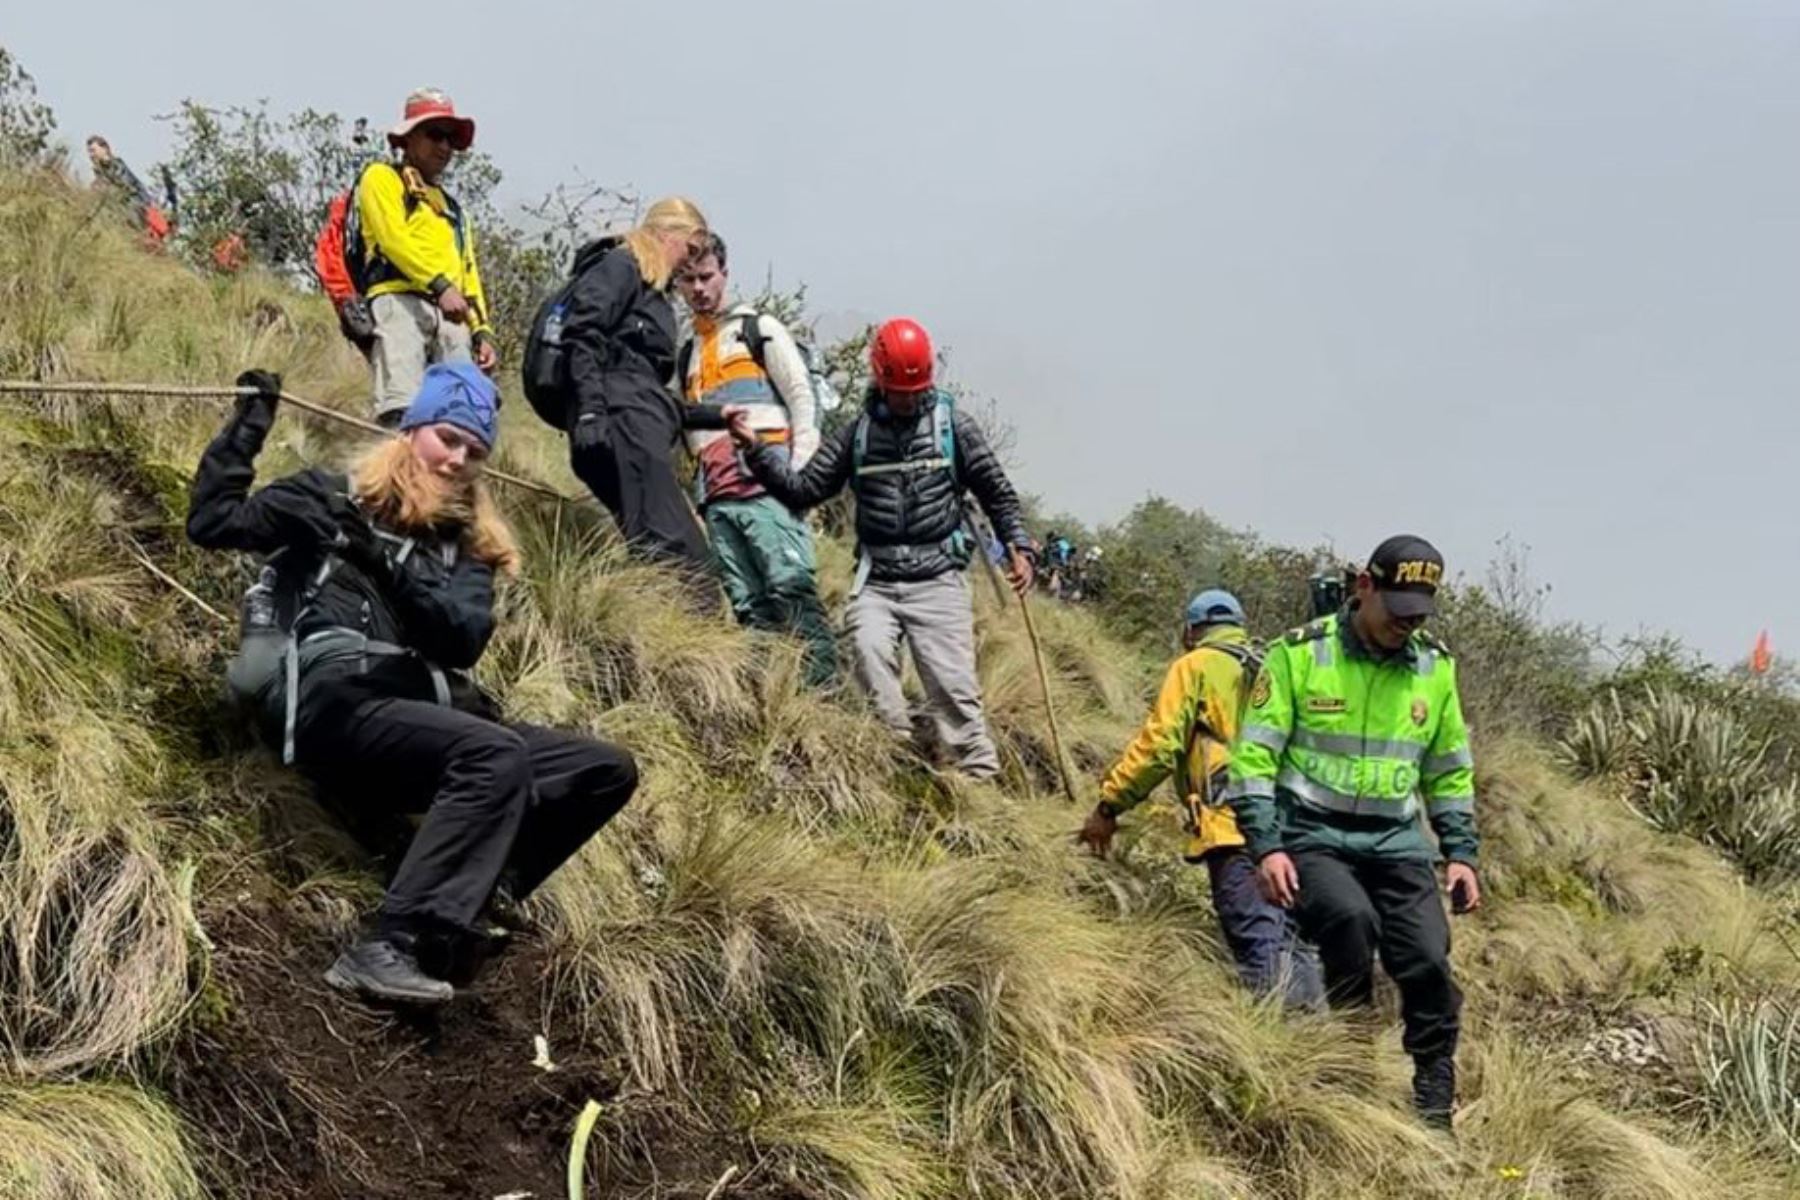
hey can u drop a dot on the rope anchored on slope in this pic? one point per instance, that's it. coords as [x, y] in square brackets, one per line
[196, 392]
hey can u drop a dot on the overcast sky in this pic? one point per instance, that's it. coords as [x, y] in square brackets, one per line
[1489, 268]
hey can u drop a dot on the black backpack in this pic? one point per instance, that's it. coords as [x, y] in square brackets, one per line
[545, 369]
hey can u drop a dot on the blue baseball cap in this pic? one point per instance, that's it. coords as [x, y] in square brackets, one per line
[456, 393]
[1215, 606]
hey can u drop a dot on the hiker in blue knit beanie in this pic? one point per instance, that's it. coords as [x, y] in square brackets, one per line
[375, 600]
[456, 393]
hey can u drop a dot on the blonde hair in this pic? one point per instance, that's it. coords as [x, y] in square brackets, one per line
[396, 489]
[672, 214]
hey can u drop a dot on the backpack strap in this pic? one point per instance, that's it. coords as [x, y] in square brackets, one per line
[1249, 659]
[943, 435]
[291, 684]
[750, 329]
[859, 447]
[684, 362]
[943, 428]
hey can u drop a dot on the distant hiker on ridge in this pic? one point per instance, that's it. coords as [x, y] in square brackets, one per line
[424, 287]
[377, 597]
[908, 459]
[111, 174]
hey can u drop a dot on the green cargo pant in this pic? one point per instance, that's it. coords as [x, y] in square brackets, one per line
[765, 556]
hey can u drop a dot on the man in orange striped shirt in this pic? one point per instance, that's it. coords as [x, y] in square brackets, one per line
[740, 357]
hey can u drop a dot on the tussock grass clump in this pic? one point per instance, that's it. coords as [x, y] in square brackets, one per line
[91, 1141]
[1589, 902]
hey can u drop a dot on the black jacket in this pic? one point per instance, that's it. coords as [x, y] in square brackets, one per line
[445, 613]
[621, 334]
[909, 523]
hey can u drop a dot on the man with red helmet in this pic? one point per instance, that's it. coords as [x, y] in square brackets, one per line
[908, 458]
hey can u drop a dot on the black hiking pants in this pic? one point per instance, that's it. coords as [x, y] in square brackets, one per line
[625, 455]
[496, 797]
[1355, 906]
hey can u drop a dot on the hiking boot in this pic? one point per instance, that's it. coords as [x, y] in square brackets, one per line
[378, 967]
[506, 912]
[1434, 1089]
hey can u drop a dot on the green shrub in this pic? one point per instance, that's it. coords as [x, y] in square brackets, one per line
[1692, 767]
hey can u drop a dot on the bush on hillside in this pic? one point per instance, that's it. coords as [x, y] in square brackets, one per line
[1517, 671]
[26, 123]
[1690, 766]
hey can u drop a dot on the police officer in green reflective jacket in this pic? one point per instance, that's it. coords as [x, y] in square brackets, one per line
[1355, 728]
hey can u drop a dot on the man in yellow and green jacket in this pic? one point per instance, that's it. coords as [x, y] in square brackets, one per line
[1187, 735]
[419, 270]
[1354, 730]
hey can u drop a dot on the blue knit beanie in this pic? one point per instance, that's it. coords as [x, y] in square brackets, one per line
[456, 393]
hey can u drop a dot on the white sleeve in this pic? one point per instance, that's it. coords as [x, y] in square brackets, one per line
[787, 372]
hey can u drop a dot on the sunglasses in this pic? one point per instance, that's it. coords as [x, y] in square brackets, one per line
[439, 133]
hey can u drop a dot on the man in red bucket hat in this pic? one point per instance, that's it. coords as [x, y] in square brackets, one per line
[418, 259]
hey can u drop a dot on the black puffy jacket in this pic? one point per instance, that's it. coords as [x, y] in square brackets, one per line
[443, 611]
[621, 334]
[908, 522]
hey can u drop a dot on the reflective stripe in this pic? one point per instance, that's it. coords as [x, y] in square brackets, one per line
[1322, 651]
[1261, 788]
[1266, 736]
[1436, 806]
[1317, 795]
[1425, 662]
[1439, 764]
[1349, 743]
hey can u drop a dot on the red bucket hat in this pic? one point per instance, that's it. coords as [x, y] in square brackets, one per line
[429, 104]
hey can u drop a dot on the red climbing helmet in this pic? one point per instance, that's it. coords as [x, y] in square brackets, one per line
[900, 356]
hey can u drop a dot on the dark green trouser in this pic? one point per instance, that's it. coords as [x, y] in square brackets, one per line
[765, 556]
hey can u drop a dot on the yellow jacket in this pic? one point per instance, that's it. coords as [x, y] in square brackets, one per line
[1205, 684]
[414, 236]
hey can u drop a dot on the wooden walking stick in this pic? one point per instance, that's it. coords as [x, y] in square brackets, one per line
[1043, 674]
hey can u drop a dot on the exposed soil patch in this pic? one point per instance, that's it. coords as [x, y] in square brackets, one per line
[304, 1092]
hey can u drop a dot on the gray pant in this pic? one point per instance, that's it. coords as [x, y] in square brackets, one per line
[934, 617]
[410, 334]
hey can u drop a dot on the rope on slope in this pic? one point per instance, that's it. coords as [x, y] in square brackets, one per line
[191, 392]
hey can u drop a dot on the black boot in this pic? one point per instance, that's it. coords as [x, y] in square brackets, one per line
[385, 968]
[505, 911]
[1434, 1089]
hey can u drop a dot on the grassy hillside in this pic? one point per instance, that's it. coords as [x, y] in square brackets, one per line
[801, 959]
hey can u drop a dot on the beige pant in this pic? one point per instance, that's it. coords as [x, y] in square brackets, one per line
[410, 334]
[934, 617]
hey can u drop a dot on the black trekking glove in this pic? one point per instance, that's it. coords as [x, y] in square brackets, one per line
[255, 414]
[305, 524]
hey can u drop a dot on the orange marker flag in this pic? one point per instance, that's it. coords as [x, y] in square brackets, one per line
[1760, 654]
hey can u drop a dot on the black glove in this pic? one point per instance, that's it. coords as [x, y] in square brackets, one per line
[589, 432]
[306, 524]
[255, 414]
[357, 542]
[357, 321]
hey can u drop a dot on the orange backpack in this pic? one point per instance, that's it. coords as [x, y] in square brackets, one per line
[332, 257]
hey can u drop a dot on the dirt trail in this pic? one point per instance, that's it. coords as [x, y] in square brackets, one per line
[312, 1094]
